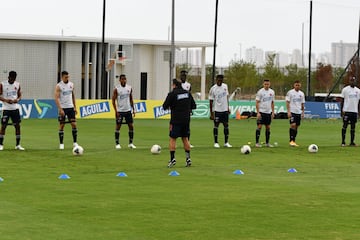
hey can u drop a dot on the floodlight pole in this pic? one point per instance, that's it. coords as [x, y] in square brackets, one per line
[215, 36]
[103, 66]
[308, 87]
[172, 54]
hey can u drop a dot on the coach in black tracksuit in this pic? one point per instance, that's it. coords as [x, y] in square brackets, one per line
[180, 102]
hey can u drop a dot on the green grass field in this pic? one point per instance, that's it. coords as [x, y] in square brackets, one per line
[207, 201]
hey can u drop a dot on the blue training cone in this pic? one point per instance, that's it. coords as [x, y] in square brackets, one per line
[64, 176]
[121, 174]
[292, 170]
[1, 179]
[238, 172]
[174, 173]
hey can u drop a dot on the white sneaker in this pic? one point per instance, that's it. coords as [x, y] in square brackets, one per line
[61, 146]
[19, 147]
[118, 146]
[75, 144]
[227, 145]
[216, 145]
[1, 147]
[131, 146]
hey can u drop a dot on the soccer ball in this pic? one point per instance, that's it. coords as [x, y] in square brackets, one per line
[313, 148]
[155, 149]
[78, 150]
[246, 149]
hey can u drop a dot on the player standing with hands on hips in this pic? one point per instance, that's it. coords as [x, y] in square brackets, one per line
[10, 95]
[180, 102]
[123, 104]
[219, 109]
[265, 111]
[295, 104]
[350, 96]
[66, 104]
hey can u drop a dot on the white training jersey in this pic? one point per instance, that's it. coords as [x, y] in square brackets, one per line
[265, 98]
[123, 98]
[186, 86]
[351, 96]
[10, 91]
[296, 99]
[219, 95]
[66, 93]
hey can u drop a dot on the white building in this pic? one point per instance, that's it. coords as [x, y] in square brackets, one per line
[39, 60]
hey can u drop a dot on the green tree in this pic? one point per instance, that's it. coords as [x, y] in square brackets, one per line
[241, 74]
[274, 74]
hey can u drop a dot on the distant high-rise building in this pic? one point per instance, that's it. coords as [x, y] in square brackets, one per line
[188, 56]
[255, 55]
[342, 53]
[297, 58]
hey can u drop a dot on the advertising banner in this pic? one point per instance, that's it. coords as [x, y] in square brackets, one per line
[152, 109]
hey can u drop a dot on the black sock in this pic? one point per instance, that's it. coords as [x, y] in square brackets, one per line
[215, 132]
[257, 134]
[61, 136]
[74, 135]
[267, 135]
[131, 136]
[117, 136]
[172, 155]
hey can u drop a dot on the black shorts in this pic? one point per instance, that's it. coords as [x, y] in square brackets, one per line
[69, 113]
[265, 119]
[295, 118]
[350, 117]
[221, 117]
[125, 115]
[179, 130]
[13, 114]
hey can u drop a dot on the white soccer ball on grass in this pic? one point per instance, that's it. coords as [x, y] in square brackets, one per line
[246, 149]
[313, 148]
[155, 149]
[78, 150]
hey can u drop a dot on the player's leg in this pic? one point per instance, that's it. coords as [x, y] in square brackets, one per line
[226, 129]
[185, 133]
[173, 134]
[343, 129]
[15, 118]
[118, 122]
[72, 118]
[130, 121]
[4, 122]
[267, 130]
[216, 130]
[61, 119]
[352, 129]
[258, 132]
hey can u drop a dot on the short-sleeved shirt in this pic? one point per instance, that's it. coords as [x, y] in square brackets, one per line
[295, 99]
[219, 95]
[265, 98]
[351, 96]
[186, 86]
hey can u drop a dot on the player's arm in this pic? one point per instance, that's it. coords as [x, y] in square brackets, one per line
[132, 102]
[1, 92]
[211, 109]
[18, 95]
[258, 115]
[288, 109]
[272, 109]
[302, 110]
[74, 100]
[113, 100]
[57, 100]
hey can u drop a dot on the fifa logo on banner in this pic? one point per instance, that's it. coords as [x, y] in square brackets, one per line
[159, 112]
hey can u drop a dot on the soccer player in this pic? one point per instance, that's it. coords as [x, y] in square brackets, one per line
[186, 86]
[350, 96]
[10, 95]
[66, 104]
[295, 104]
[265, 111]
[123, 104]
[180, 102]
[219, 109]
